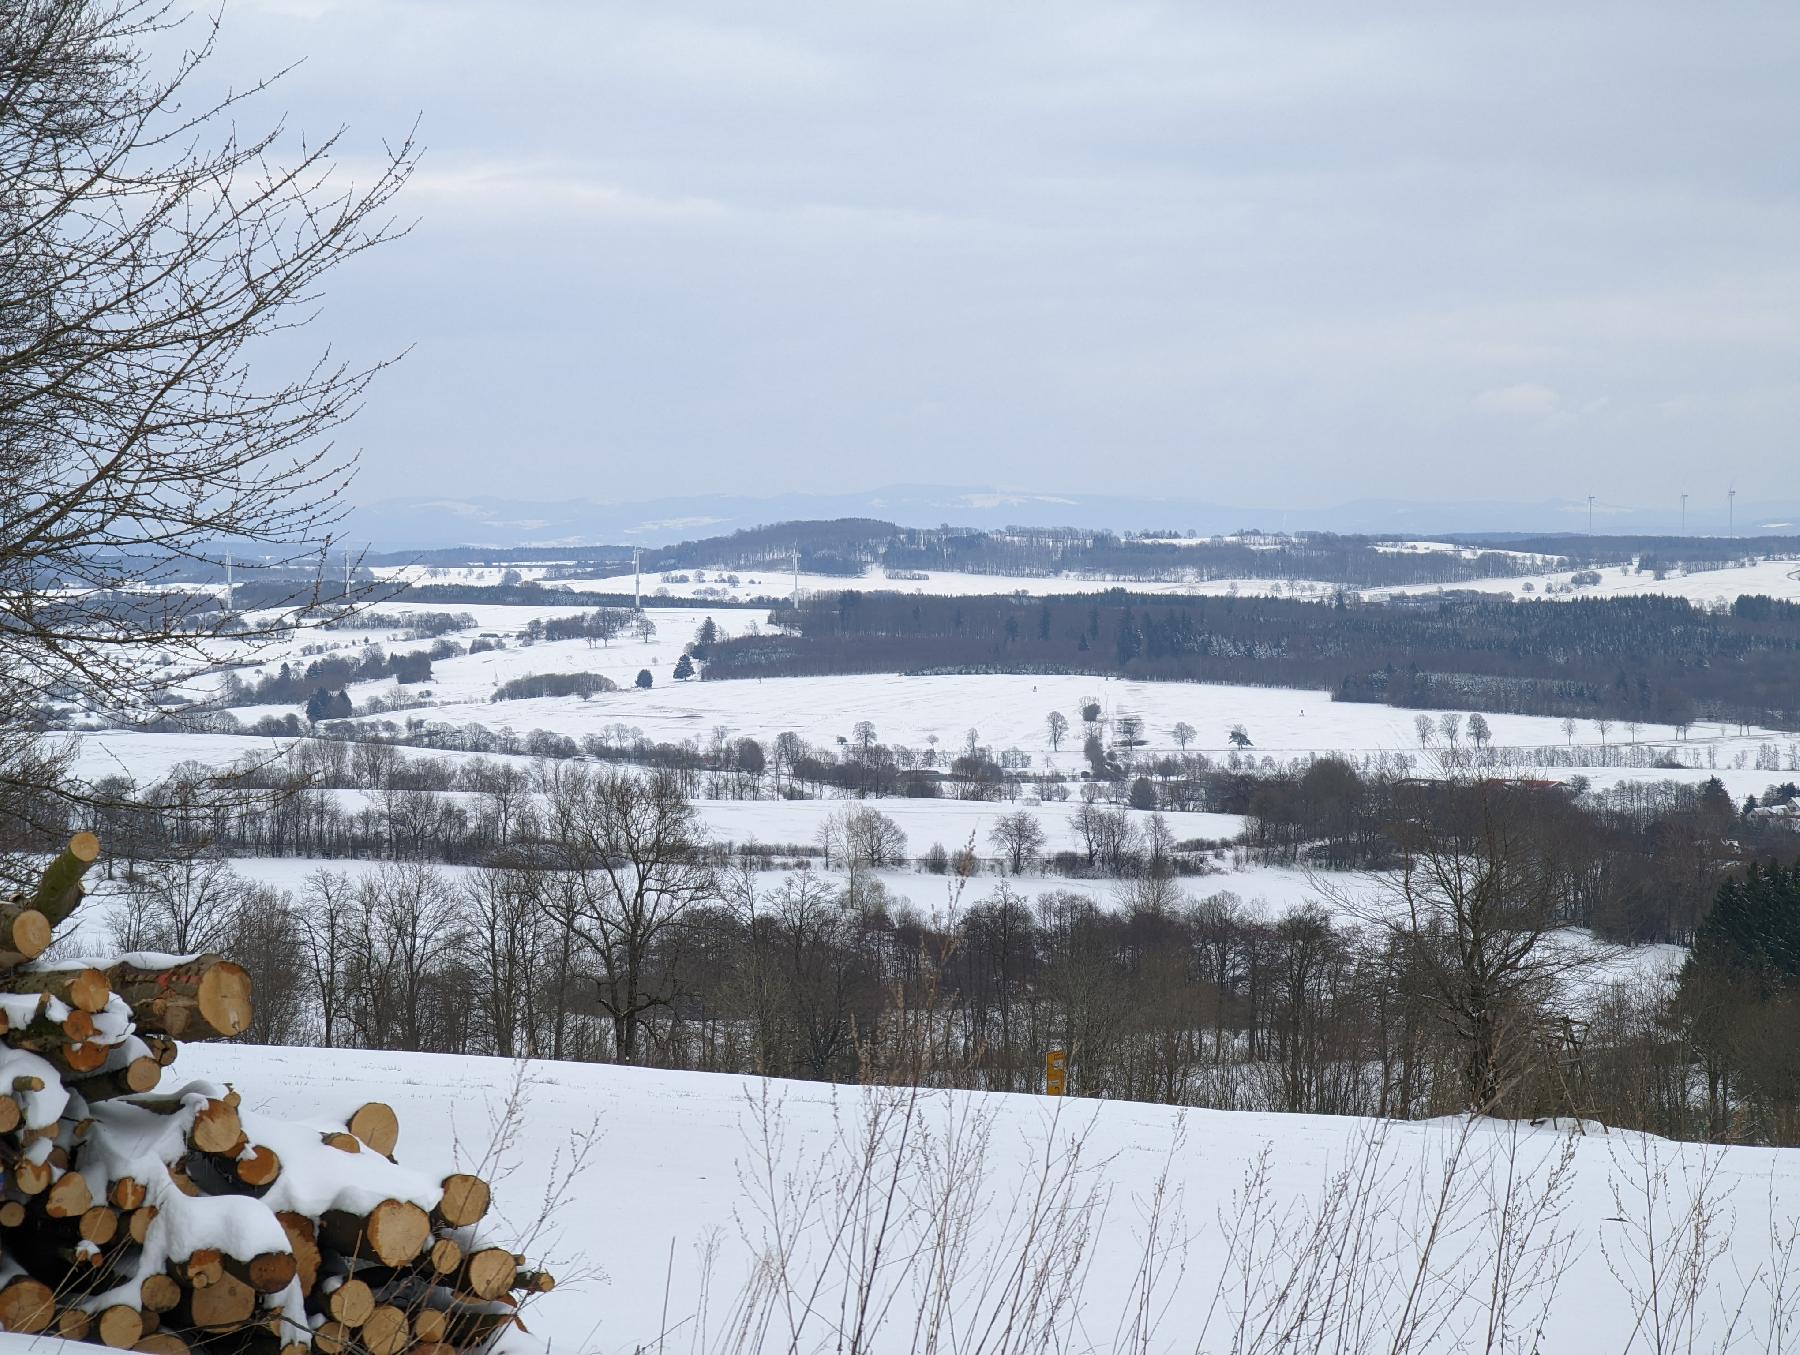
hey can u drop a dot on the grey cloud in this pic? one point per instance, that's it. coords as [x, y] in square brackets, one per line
[1279, 254]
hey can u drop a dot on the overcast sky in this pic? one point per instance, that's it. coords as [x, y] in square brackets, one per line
[1276, 254]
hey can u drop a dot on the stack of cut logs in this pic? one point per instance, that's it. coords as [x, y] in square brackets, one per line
[169, 1220]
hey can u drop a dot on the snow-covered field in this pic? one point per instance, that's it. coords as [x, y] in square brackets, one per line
[1006, 710]
[936, 583]
[1773, 578]
[1776, 578]
[694, 1180]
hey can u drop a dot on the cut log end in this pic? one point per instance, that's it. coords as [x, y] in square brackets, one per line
[69, 1197]
[73, 1324]
[159, 1293]
[162, 1343]
[351, 1303]
[376, 1125]
[224, 999]
[90, 991]
[465, 1202]
[29, 933]
[259, 1167]
[100, 1225]
[489, 1273]
[217, 1129]
[387, 1331]
[226, 1303]
[271, 1272]
[84, 1056]
[142, 1074]
[397, 1232]
[121, 1327]
[26, 1305]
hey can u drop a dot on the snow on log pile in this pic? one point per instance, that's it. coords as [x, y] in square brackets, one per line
[171, 1220]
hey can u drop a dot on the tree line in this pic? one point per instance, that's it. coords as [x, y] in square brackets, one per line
[602, 923]
[1649, 658]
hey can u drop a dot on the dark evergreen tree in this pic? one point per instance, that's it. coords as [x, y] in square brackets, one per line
[1753, 928]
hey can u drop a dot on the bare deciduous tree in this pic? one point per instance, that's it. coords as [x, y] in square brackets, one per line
[1473, 910]
[151, 254]
[1020, 836]
[634, 862]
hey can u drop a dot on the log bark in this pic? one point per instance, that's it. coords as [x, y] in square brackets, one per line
[251, 1171]
[75, 1057]
[203, 998]
[84, 989]
[303, 1241]
[131, 1078]
[59, 888]
[475, 1329]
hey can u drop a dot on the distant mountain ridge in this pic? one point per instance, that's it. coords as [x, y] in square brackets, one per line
[436, 522]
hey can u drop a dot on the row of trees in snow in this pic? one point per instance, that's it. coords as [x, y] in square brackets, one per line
[608, 927]
[1352, 561]
[1639, 861]
[1653, 659]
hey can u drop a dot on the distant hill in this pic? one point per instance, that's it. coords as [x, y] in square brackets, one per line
[428, 523]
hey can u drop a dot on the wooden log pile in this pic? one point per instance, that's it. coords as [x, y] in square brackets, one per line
[147, 1218]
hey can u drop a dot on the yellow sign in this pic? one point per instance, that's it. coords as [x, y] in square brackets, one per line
[1056, 1073]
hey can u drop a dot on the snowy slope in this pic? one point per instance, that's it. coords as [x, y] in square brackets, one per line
[679, 1173]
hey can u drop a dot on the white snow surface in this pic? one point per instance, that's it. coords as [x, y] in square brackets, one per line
[677, 1170]
[1006, 709]
[1775, 577]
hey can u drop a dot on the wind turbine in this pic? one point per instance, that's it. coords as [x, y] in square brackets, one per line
[1684, 515]
[1731, 513]
[1590, 515]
